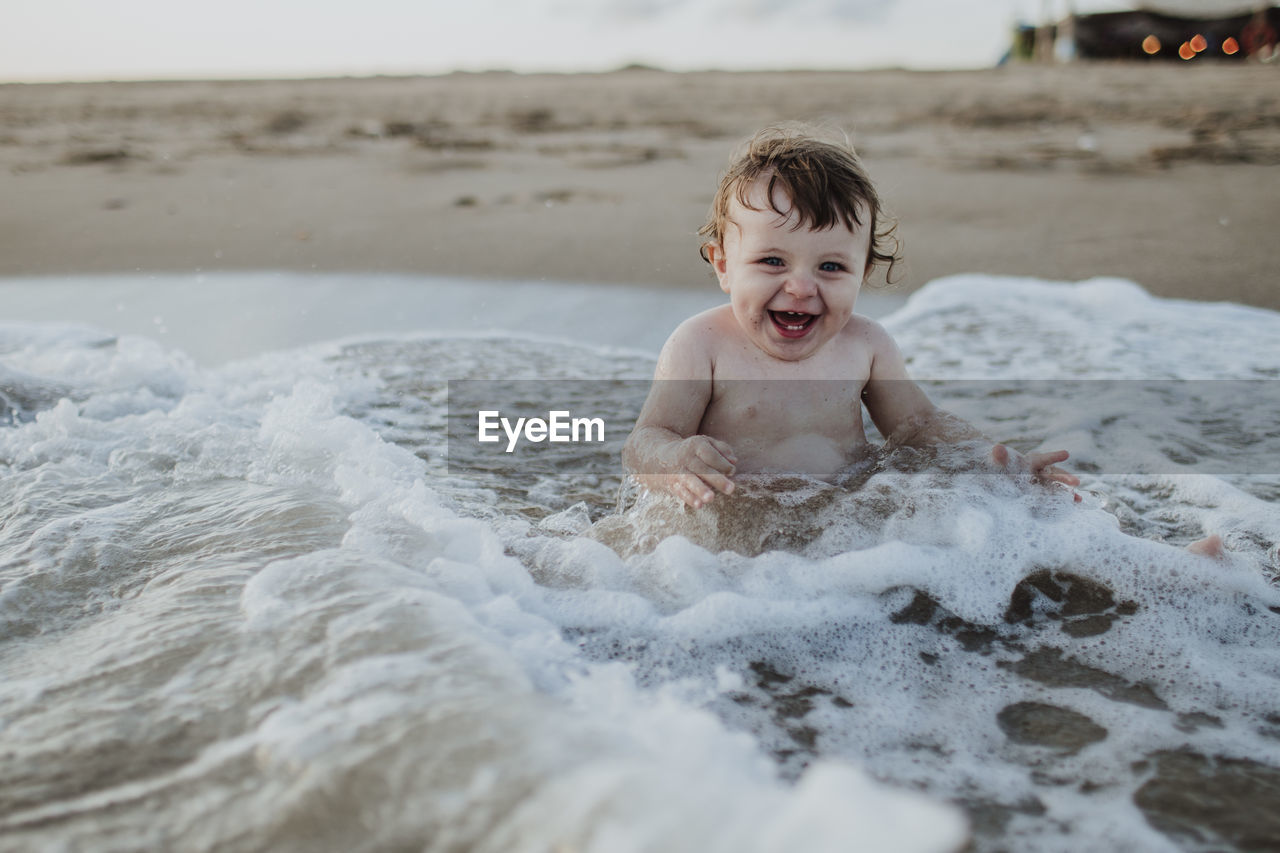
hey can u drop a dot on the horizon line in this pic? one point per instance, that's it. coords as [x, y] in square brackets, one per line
[321, 76]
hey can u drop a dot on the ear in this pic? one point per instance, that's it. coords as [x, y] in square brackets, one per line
[715, 256]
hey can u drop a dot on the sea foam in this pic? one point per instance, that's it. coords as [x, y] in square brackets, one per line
[266, 601]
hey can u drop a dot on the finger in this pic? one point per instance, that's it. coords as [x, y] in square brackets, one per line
[676, 489]
[1000, 455]
[725, 449]
[1057, 475]
[1042, 466]
[1040, 460]
[715, 456]
[676, 486]
[700, 493]
[712, 459]
[711, 477]
[685, 496]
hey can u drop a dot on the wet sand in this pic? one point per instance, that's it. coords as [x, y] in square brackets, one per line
[1165, 175]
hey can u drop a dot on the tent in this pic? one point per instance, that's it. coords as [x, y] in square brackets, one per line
[1174, 30]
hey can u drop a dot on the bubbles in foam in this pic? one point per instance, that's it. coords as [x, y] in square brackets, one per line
[256, 601]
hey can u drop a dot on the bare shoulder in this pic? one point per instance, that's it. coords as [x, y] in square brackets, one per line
[868, 335]
[867, 330]
[878, 345]
[690, 351]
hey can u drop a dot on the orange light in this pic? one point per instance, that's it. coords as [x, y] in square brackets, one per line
[1151, 45]
[1198, 43]
[1231, 47]
[1186, 51]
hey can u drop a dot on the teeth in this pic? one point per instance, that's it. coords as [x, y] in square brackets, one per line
[783, 316]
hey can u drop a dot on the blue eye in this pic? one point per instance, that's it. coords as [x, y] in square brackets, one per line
[831, 266]
[772, 261]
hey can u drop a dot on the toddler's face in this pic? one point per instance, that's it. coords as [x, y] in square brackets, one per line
[792, 288]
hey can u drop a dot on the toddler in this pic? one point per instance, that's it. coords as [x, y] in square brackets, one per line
[775, 379]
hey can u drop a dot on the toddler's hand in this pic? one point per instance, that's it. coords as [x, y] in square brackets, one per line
[702, 464]
[1041, 465]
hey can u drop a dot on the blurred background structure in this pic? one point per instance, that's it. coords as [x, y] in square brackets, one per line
[1174, 30]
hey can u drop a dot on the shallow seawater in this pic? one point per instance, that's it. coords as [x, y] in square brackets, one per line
[266, 605]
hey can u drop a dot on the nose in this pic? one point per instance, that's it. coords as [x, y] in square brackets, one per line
[800, 286]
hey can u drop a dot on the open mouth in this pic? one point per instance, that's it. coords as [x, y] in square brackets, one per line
[792, 324]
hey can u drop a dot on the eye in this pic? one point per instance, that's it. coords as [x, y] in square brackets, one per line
[772, 261]
[831, 266]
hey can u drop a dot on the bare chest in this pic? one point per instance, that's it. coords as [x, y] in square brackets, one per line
[793, 416]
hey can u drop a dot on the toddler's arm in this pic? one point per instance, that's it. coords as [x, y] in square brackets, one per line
[664, 451]
[904, 415]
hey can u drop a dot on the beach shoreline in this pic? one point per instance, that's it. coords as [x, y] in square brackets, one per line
[1160, 174]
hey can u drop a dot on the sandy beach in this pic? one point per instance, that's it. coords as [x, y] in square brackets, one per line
[1162, 174]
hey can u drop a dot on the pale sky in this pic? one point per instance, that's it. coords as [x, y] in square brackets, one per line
[142, 39]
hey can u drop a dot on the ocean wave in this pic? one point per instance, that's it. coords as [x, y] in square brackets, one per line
[263, 606]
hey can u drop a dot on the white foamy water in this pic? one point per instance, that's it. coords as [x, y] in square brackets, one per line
[250, 605]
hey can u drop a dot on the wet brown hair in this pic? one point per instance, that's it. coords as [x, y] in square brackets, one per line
[822, 176]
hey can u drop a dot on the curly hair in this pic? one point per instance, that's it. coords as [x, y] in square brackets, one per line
[822, 176]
